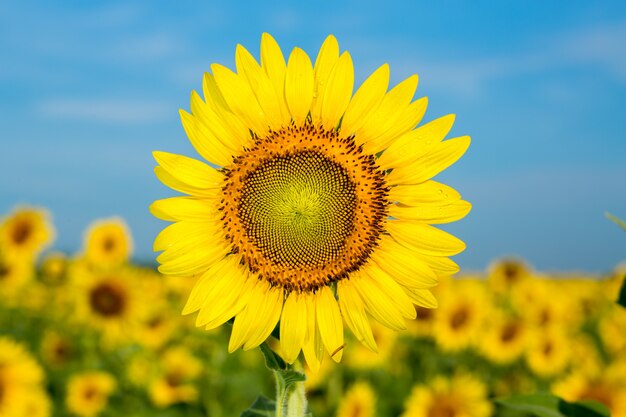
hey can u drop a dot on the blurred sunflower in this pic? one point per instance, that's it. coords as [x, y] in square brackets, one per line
[54, 269]
[504, 340]
[108, 243]
[88, 393]
[459, 396]
[15, 272]
[109, 301]
[460, 318]
[175, 383]
[506, 274]
[26, 232]
[548, 354]
[358, 401]
[21, 382]
[56, 350]
[321, 207]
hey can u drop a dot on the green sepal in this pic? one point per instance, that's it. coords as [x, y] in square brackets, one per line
[272, 360]
[261, 407]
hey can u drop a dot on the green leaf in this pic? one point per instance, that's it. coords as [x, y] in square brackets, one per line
[272, 360]
[261, 407]
[548, 405]
[621, 223]
[583, 409]
[539, 405]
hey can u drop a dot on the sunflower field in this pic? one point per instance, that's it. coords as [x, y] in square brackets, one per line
[93, 334]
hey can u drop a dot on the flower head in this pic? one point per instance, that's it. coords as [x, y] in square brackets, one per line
[317, 203]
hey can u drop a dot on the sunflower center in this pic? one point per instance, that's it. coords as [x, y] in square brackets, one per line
[107, 300]
[459, 318]
[298, 208]
[304, 207]
[5, 270]
[21, 232]
[509, 332]
[108, 244]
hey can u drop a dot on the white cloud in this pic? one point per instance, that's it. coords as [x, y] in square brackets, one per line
[119, 111]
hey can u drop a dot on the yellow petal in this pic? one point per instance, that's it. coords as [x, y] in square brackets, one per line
[424, 238]
[422, 298]
[268, 316]
[215, 101]
[324, 63]
[183, 187]
[442, 265]
[212, 94]
[353, 312]
[184, 208]
[416, 143]
[262, 88]
[401, 263]
[192, 262]
[439, 158]
[204, 141]
[240, 98]
[313, 348]
[197, 295]
[182, 231]
[293, 326]
[299, 85]
[425, 193]
[366, 100]
[404, 121]
[220, 123]
[395, 101]
[338, 92]
[225, 297]
[432, 213]
[391, 288]
[273, 62]
[258, 318]
[329, 322]
[190, 171]
[378, 303]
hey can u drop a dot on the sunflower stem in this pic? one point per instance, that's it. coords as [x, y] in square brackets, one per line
[290, 396]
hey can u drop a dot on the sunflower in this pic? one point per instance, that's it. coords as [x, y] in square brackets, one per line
[459, 396]
[358, 401]
[109, 301]
[54, 269]
[26, 232]
[506, 274]
[548, 354]
[88, 393]
[15, 272]
[321, 205]
[175, 381]
[57, 350]
[504, 340]
[108, 243]
[21, 381]
[459, 321]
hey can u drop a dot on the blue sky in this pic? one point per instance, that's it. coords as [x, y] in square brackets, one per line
[88, 90]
